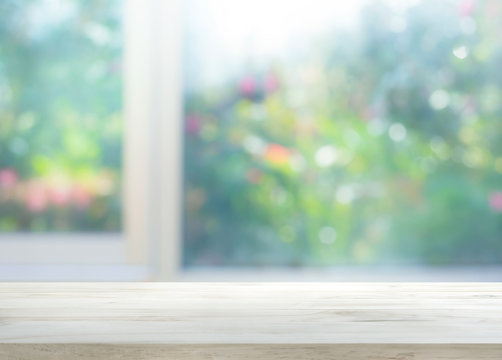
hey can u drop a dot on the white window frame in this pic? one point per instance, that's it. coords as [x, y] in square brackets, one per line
[154, 138]
[152, 170]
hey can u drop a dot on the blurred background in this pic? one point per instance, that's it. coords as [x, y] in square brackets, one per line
[335, 136]
[61, 115]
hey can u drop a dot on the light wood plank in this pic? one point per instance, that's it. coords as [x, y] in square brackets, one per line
[251, 352]
[251, 320]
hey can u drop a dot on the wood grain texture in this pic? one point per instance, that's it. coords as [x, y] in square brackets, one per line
[250, 352]
[251, 320]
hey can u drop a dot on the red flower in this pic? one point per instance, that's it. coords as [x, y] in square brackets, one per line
[277, 154]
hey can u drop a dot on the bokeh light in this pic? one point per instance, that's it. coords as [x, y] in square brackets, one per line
[369, 132]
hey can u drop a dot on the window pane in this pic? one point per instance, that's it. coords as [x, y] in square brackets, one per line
[327, 132]
[60, 115]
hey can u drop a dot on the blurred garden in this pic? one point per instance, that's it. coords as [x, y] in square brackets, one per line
[378, 145]
[60, 115]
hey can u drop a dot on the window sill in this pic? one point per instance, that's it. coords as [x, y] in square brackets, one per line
[359, 273]
[61, 248]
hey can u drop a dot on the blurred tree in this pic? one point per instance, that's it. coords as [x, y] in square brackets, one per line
[383, 149]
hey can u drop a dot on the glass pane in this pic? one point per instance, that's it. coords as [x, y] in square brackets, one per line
[60, 115]
[330, 133]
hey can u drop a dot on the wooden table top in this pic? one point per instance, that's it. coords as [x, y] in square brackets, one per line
[251, 313]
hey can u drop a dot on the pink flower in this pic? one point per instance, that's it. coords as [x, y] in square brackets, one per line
[8, 177]
[60, 196]
[81, 196]
[495, 199]
[193, 124]
[271, 83]
[36, 197]
[467, 7]
[247, 86]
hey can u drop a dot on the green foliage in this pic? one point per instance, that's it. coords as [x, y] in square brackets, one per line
[381, 145]
[60, 115]
[384, 146]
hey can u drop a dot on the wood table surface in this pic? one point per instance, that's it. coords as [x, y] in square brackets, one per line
[250, 321]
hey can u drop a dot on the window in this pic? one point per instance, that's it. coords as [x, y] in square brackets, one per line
[330, 133]
[265, 134]
[62, 139]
